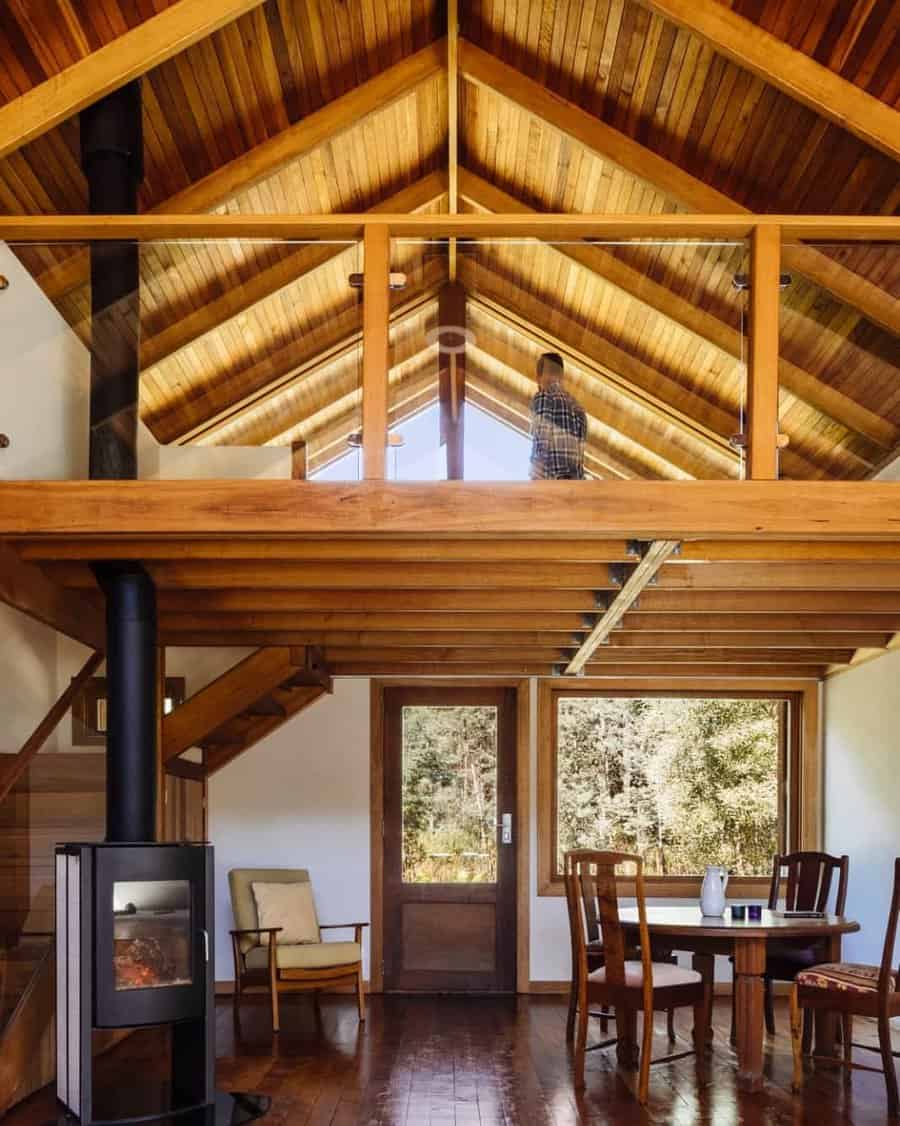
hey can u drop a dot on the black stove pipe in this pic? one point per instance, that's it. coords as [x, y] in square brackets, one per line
[132, 690]
[113, 162]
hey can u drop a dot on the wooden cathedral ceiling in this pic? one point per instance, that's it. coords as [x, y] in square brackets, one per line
[579, 105]
[303, 105]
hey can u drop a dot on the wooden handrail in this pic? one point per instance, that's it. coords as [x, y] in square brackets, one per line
[21, 760]
[350, 227]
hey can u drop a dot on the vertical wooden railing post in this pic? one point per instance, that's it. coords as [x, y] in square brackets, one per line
[762, 374]
[376, 317]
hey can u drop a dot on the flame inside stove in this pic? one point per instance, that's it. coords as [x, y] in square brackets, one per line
[143, 963]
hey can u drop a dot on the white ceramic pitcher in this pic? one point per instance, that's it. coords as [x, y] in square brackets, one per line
[712, 892]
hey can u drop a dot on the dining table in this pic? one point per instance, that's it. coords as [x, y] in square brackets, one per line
[686, 929]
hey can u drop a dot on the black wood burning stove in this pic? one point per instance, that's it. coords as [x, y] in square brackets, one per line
[134, 949]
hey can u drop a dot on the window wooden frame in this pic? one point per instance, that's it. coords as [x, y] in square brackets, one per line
[799, 803]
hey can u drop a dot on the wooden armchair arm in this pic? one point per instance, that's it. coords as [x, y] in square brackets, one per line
[240, 958]
[357, 928]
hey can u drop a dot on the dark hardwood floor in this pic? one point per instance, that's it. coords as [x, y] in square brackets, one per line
[460, 1062]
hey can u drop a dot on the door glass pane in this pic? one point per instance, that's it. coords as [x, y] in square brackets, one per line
[449, 794]
[152, 933]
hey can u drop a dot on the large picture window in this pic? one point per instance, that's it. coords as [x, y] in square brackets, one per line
[682, 778]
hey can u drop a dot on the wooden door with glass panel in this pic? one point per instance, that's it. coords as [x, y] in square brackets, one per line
[450, 840]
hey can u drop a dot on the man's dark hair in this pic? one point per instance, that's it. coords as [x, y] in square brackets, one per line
[554, 359]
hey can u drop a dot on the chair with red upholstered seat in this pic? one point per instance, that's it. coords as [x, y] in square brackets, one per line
[854, 990]
[629, 986]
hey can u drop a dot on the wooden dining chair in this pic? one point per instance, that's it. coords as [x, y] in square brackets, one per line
[582, 906]
[808, 877]
[628, 986]
[854, 990]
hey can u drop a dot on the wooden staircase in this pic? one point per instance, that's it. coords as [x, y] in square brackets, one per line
[27, 1029]
[245, 704]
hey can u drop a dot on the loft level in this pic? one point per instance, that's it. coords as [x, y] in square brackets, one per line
[644, 580]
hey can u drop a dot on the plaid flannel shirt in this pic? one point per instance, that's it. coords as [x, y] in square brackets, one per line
[559, 429]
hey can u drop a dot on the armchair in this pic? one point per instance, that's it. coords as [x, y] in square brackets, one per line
[264, 965]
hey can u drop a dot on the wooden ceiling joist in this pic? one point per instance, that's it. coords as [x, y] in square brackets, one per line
[660, 670]
[656, 555]
[611, 145]
[269, 157]
[790, 70]
[112, 66]
[690, 315]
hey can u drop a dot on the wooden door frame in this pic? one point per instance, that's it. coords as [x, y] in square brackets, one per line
[522, 687]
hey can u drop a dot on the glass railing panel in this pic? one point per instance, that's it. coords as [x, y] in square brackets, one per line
[251, 358]
[840, 361]
[640, 346]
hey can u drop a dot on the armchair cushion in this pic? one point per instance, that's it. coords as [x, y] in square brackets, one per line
[242, 902]
[309, 956]
[290, 907]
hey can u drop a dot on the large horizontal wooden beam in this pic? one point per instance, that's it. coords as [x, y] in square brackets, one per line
[790, 70]
[27, 588]
[607, 142]
[820, 510]
[112, 66]
[690, 315]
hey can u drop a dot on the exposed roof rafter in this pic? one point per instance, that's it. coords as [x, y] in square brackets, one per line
[791, 71]
[112, 66]
[607, 142]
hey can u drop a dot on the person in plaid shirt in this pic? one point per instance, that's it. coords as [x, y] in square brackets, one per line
[558, 425]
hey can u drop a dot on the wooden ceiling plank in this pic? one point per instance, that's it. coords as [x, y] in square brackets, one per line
[558, 622]
[688, 315]
[112, 66]
[611, 145]
[291, 369]
[656, 555]
[791, 71]
[269, 157]
[267, 283]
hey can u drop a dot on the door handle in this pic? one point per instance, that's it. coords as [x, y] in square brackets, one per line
[506, 829]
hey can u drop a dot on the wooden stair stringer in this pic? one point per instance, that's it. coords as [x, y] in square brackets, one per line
[245, 704]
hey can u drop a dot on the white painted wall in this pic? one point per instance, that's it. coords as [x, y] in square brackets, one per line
[300, 799]
[862, 791]
[44, 382]
[28, 679]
